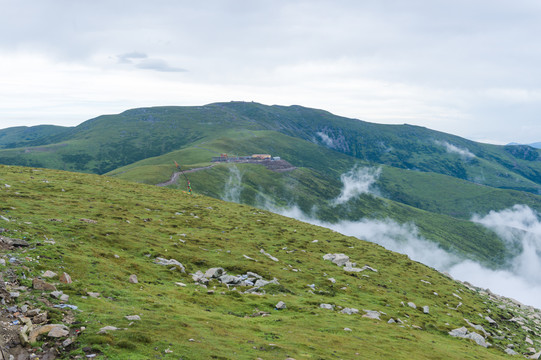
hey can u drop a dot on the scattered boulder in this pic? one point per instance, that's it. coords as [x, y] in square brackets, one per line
[280, 306]
[327, 306]
[133, 279]
[93, 294]
[349, 311]
[133, 317]
[464, 333]
[412, 305]
[105, 329]
[372, 314]
[65, 278]
[58, 332]
[39, 284]
[170, 262]
[49, 274]
[47, 329]
[214, 273]
[426, 309]
[268, 255]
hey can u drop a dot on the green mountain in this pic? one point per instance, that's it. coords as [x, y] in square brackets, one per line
[112, 236]
[435, 180]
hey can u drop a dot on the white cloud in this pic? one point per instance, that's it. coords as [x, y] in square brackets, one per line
[452, 149]
[358, 181]
[463, 68]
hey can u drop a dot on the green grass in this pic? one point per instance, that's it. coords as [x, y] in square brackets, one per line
[136, 220]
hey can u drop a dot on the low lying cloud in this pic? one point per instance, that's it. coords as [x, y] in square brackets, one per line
[357, 181]
[326, 139]
[521, 281]
[452, 149]
[233, 185]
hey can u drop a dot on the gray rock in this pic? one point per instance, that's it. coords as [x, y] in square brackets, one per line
[173, 262]
[215, 272]
[535, 356]
[479, 339]
[366, 267]
[460, 332]
[412, 305]
[57, 294]
[372, 314]
[64, 297]
[67, 342]
[340, 259]
[252, 274]
[105, 329]
[347, 329]
[58, 331]
[491, 321]
[349, 311]
[391, 321]
[133, 279]
[133, 317]
[229, 279]
[281, 305]
[327, 306]
[198, 276]
[426, 309]
[49, 274]
[510, 352]
[268, 255]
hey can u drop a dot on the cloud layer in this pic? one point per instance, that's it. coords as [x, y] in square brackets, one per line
[464, 68]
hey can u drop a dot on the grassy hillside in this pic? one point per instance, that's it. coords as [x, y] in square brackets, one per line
[101, 230]
[448, 201]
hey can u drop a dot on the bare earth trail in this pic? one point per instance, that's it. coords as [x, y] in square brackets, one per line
[274, 165]
[175, 176]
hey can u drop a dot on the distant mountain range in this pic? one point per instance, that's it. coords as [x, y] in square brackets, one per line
[536, 145]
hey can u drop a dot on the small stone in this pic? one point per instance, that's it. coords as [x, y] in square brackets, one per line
[327, 306]
[116, 256]
[40, 318]
[93, 294]
[426, 309]
[67, 342]
[280, 306]
[213, 273]
[180, 284]
[349, 311]
[65, 278]
[347, 329]
[64, 297]
[133, 317]
[372, 314]
[39, 284]
[58, 332]
[133, 279]
[412, 305]
[56, 294]
[104, 329]
[49, 274]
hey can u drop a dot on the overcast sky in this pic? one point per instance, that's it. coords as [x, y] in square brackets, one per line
[470, 68]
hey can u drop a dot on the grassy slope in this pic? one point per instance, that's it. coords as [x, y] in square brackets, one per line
[135, 220]
[313, 187]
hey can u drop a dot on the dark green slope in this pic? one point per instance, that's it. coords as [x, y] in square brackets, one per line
[30, 136]
[108, 142]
